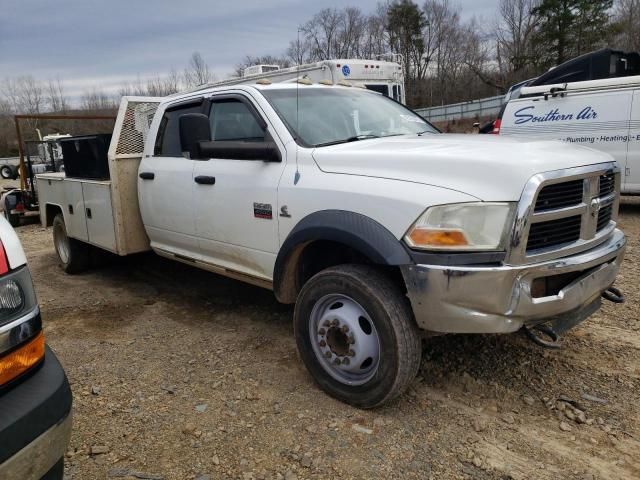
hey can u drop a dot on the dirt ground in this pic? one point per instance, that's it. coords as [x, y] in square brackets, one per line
[182, 374]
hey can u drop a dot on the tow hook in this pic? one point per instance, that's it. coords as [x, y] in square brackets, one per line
[613, 294]
[537, 335]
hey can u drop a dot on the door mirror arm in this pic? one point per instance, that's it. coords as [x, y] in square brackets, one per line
[238, 150]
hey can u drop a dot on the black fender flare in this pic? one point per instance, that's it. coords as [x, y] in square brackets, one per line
[355, 230]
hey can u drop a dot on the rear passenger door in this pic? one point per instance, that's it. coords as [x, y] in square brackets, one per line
[165, 187]
[237, 216]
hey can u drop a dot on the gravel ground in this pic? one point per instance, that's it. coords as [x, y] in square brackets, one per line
[182, 374]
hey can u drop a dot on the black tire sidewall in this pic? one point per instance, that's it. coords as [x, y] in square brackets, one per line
[376, 390]
[58, 219]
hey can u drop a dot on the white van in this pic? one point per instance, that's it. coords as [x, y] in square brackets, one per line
[592, 100]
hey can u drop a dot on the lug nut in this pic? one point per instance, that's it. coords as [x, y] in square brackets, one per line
[327, 354]
[337, 361]
[346, 361]
[352, 353]
[335, 322]
[322, 331]
[352, 339]
[326, 323]
[323, 343]
[344, 328]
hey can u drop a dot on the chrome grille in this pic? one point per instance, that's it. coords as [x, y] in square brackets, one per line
[604, 217]
[565, 212]
[560, 195]
[607, 184]
[554, 232]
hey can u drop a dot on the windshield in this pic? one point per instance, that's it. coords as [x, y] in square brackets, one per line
[327, 116]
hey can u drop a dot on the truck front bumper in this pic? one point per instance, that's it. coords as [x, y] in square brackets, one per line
[500, 299]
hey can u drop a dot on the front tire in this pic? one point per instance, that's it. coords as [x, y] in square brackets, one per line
[356, 335]
[72, 254]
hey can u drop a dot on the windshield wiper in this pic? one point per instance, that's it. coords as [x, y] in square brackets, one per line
[355, 138]
[422, 133]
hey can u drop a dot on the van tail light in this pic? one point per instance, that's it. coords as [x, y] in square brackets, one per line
[22, 359]
[20, 207]
[496, 126]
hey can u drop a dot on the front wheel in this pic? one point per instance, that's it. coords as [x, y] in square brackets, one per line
[356, 335]
[73, 254]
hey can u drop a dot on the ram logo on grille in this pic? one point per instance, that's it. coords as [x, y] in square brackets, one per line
[594, 208]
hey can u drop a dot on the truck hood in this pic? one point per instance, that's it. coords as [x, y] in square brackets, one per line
[488, 167]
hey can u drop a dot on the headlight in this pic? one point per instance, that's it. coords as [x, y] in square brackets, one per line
[462, 227]
[17, 297]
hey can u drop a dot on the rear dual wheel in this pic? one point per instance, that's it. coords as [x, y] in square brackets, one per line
[356, 335]
[72, 254]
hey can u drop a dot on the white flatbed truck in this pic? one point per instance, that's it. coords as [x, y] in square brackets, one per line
[379, 228]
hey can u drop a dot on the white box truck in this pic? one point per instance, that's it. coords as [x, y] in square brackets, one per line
[379, 228]
[378, 75]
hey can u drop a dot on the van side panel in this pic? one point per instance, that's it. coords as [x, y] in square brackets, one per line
[597, 120]
[632, 178]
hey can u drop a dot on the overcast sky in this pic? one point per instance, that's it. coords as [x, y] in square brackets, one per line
[103, 44]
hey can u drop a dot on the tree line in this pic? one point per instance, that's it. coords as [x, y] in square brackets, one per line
[445, 59]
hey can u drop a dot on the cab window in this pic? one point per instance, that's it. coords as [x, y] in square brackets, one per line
[232, 120]
[168, 139]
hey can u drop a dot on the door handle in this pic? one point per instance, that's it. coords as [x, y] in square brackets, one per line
[205, 180]
[147, 175]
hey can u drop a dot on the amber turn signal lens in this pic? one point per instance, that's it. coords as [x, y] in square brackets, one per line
[437, 238]
[22, 359]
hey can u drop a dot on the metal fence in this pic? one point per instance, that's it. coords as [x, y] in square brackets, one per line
[483, 107]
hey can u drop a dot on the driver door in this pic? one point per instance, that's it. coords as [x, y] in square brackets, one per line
[236, 212]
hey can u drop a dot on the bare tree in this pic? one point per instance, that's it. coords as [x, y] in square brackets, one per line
[321, 32]
[96, 100]
[24, 94]
[172, 82]
[348, 38]
[514, 33]
[626, 17]
[133, 87]
[197, 72]
[55, 96]
[375, 39]
[299, 51]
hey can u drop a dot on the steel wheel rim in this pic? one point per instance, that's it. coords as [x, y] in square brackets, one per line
[344, 339]
[61, 242]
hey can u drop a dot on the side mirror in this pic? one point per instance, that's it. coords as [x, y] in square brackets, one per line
[234, 150]
[194, 128]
